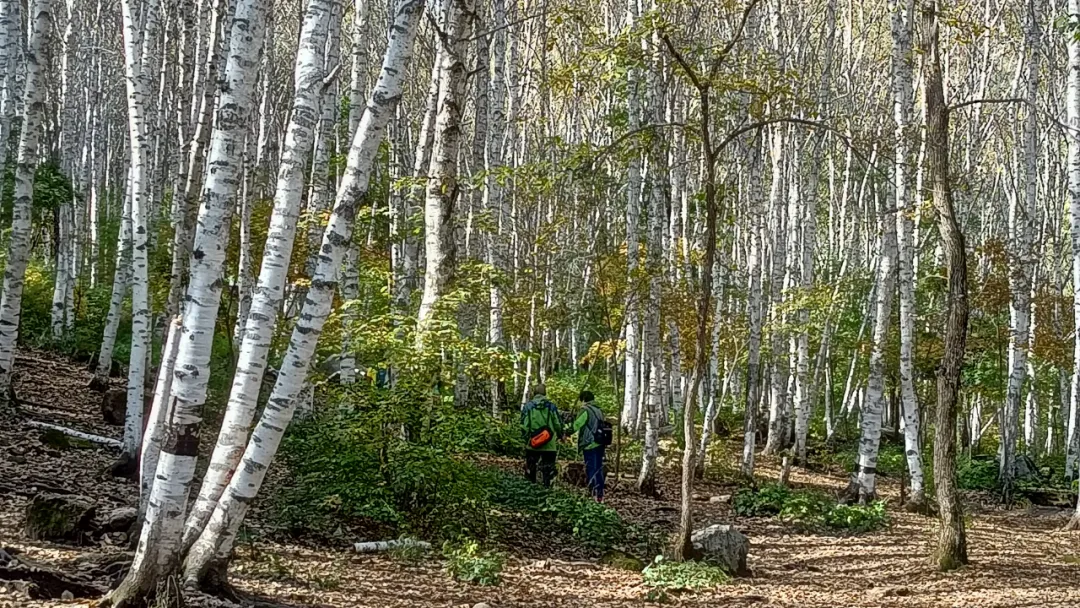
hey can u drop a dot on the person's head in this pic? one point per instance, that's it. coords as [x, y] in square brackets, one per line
[539, 390]
[585, 396]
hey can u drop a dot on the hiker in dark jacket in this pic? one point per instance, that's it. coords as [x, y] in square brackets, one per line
[585, 426]
[541, 427]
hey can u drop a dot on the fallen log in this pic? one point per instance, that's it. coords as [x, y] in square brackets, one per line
[109, 441]
[389, 545]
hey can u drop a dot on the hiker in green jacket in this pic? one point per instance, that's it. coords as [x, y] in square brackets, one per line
[586, 425]
[542, 427]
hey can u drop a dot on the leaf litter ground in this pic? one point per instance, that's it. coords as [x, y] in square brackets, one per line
[1019, 557]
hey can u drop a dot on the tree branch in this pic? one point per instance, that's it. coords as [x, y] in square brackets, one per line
[972, 102]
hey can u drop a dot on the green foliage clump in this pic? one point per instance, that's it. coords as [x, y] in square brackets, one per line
[977, 474]
[857, 518]
[809, 508]
[765, 501]
[596, 526]
[690, 575]
[468, 563]
[353, 475]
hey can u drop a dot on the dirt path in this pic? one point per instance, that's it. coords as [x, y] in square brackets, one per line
[1019, 558]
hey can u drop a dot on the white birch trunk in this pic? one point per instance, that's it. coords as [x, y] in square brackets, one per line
[159, 550]
[270, 289]
[159, 413]
[902, 28]
[1072, 109]
[630, 412]
[442, 185]
[870, 425]
[217, 538]
[18, 254]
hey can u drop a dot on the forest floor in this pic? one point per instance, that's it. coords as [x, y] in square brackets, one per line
[1018, 557]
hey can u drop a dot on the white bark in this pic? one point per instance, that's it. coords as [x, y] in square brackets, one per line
[902, 29]
[1072, 108]
[870, 425]
[158, 551]
[217, 538]
[159, 413]
[1022, 211]
[270, 289]
[442, 185]
[109, 441]
[630, 412]
[18, 254]
[121, 280]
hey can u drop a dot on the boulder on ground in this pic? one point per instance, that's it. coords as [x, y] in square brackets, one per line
[120, 520]
[724, 545]
[59, 517]
[114, 406]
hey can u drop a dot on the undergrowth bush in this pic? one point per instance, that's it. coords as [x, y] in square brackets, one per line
[349, 477]
[809, 508]
[468, 563]
[977, 474]
[689, 575]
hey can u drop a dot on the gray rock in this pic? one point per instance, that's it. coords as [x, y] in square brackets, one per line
[481, 605]
[59, 517]
[120, 520]
[722, 499]
[724, 545]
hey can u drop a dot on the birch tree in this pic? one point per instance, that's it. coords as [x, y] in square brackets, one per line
[159, 551]
[18, 252]
[309, 85]
[215, 542]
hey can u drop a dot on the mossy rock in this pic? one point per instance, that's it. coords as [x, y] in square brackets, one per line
[59, 517]
[59, 441]
[622, 561]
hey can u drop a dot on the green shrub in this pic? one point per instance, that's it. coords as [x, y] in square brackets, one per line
[765, 501]
[809, 508]
[857, 518]
[468, 563]
[350, 477]
[977, 474]
[690, 575]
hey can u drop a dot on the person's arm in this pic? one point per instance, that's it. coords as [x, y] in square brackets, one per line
[580, 422]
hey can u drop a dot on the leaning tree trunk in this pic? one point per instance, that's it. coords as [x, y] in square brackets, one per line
[951, 551]
[216, 541]
[121, 279]
[270, 290]
[18, 253]
[159, 552]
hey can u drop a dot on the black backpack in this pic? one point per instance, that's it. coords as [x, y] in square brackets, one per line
[603, 434]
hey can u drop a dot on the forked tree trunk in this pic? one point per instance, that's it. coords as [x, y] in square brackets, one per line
[216, 541]
[951, 549]
[159, 551]
[270, 289]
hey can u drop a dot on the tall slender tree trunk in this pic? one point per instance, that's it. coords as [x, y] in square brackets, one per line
[951, 550]
[902, 28]
[630, 412]
[18, 253]
[159, 550]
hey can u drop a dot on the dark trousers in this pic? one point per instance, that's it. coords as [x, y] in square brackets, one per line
[544, 460]
[594, 471]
